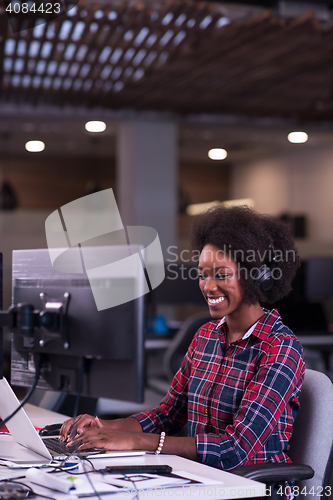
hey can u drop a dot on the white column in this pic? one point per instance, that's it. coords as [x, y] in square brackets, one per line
[147, 176]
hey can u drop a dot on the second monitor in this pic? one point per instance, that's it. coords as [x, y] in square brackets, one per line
[84, 350]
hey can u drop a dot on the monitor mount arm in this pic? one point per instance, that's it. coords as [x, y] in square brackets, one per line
[22, 319]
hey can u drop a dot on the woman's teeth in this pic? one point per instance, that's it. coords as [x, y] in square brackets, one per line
[215, 301]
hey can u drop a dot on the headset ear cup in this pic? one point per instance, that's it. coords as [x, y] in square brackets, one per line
[264, 278]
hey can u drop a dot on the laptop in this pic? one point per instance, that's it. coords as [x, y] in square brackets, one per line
[25, 445]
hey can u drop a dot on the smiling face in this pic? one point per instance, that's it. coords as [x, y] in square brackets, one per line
[219, 283]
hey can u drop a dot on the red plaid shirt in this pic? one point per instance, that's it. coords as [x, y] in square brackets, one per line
[240, 402]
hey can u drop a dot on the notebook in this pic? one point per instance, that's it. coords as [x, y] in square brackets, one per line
[25, 445]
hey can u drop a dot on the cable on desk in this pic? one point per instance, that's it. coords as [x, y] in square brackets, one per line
[90, 481]
[11, 489]
[77, 399]
[84, 371]
[136, 490]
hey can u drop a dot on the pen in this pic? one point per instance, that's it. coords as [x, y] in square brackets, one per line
[98, 422]
[13, 478]
[99, 493]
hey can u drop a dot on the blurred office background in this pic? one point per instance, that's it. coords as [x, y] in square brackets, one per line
[172, 80]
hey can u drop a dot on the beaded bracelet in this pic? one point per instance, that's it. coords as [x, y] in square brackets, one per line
[160, 444]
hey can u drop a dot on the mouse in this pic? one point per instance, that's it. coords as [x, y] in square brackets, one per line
[50, 430]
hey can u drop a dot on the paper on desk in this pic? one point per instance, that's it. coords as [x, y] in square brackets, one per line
[147, 481]
[112, 483]
[153, 481]
[195, 478]
[63, 496]
[82, 485]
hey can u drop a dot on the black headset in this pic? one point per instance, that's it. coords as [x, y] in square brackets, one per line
[264, 277]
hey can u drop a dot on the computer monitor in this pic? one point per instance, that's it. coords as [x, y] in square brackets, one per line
[180, 286]
[319, 277]
[96, 353]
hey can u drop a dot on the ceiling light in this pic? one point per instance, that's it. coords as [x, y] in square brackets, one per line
[297, 137]
[199, 208]
[34, 146]
[95, 126]
[217, 154]
[241, 202]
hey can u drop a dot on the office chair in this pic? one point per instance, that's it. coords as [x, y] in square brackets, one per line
[310, 446]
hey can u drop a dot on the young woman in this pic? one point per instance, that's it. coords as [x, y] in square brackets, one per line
[239, 383]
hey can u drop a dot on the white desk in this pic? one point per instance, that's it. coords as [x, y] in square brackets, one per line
[214, 484]
[157, 343]
[41, 417]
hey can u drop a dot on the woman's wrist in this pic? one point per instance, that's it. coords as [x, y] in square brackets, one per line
[146, 441]
[123, 424]
[181, 446]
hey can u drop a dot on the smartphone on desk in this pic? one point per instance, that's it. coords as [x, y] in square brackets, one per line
[137, 469]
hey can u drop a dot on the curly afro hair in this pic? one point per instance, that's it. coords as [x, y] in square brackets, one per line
[251, 240]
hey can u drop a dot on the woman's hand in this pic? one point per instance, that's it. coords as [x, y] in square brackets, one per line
[105, 437]
[77, 425]
[84, 422]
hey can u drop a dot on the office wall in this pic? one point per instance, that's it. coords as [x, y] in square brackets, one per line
[199, 183]
[300, 183]
[43, 182]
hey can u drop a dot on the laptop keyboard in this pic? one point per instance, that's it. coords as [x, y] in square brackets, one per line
[60, 448]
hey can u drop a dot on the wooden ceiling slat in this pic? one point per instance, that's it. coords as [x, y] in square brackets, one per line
[262, 65]
[171, 8]
[53, 56]
[34, 96]
[139, 21]
[82, 41]
[191, 10]
[307, 19]
[235, 71]
[116, 40]
[256, 94]
[26, 38]
[292, 96]
[195, 65]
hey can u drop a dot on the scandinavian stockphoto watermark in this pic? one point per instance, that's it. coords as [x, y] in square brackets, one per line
[198, 491]
[193, 491]
[183, 264]
[87, 236]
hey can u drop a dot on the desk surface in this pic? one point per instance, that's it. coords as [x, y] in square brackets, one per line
[157, 343]
[41, 417]
[213, 483]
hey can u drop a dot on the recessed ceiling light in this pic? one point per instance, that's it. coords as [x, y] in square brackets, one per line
[297, 137]
[217, 154]
[95, 126]
[35, 146]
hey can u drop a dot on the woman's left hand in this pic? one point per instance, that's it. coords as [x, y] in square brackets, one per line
[105, 437]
